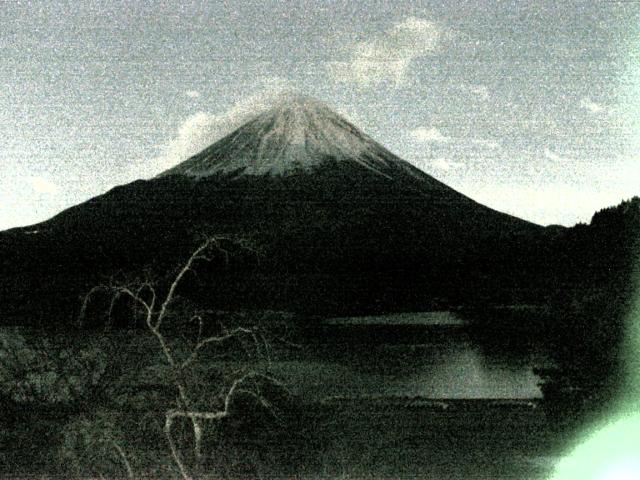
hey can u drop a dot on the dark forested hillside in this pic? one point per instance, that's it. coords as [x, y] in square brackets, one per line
[340, 240]
[591, 315]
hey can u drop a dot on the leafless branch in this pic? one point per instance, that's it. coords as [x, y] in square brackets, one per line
[125, 461]
[196, 255]
[219, 339]
[156, 309]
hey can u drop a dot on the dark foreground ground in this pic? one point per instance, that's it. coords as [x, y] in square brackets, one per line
[384, 439]
[377, 439]
[326, 438]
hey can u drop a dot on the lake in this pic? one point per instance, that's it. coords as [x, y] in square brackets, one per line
[426, 395]
[433, 355]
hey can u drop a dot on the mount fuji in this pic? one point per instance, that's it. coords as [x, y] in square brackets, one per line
[296, 135]
[345, 226]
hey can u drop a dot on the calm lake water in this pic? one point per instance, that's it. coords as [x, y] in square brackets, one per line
[430, 355]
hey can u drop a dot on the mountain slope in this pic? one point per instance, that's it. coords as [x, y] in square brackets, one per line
[295, 135]
[346, 226]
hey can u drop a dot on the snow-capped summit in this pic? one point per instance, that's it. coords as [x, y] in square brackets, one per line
[296, 134]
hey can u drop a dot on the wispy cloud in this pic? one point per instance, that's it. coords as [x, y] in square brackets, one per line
[480, 91]
[446, 164]
[428, 135]
[553, 156]
[43, 185]
[201, 129]
[194, 134]
[492, 144]
[388, 57]
[441, 164]
[592, 106]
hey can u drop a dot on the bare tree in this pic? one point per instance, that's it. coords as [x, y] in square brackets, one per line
[156, 305]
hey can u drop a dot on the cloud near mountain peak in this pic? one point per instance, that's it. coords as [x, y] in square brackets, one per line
[386, 58]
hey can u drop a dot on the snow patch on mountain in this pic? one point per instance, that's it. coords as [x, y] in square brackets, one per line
[296, 134]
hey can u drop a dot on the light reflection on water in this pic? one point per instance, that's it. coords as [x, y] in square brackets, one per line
[456, 369]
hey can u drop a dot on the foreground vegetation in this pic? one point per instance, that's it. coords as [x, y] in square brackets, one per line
[112, 424]
[107, 411]
[89, 405]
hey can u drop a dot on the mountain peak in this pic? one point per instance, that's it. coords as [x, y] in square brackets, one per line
[297, 103]
[297, 133]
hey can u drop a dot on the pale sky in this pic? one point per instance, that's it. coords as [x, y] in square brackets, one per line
[532, 108]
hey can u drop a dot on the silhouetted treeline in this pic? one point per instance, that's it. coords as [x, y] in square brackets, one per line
[591, 315]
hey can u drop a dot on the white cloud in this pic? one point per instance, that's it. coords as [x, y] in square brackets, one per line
[492, 144]
[43, 185]
[553, 156]
[592, 106]
[192, 93]
[387, 57]
[194, 134]
[480, 91]
[440, 163]
[428, 135]
[446, 165]
[201, 129]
